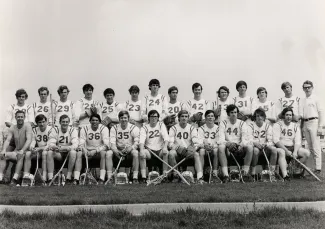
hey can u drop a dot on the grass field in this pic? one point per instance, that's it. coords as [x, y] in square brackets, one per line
[267, 218]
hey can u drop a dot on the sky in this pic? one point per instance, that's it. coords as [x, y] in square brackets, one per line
[118, 43]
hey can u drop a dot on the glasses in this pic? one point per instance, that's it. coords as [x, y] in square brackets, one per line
[307, 88]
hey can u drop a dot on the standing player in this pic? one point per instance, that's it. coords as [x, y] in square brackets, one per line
[43, 106]
[220, 105]
[94, 142]
[197, 106]
[312, 114]
[134, 106]
[86, 106]
[125, 143]
[21, 134]
[62, 140]
[21, 96]
[154, 101]
[208, 136]
[153, 136]
[287, 139]
[109, 109]
[234, 138]
[265, 104]
[289, 100]
[173, 107]
[39, 142]
[64, 106]
[243, 102]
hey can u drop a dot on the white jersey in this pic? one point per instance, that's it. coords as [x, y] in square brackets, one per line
[40, 138]
[237, 132]
[223, 105]
[209, 135]
[81, 106]
[123, 137]
[110, 110]
[183, 136]
[262, 135]
[173, 109]
[134, 109]
[289, 135]
[195, 106]
[94, 138]
[66, 108]
[154, 137]
[267, 106]
[284, 102]
[13, 108]
[44, 109]
[69, 138]
[245, 105]
[158, 103]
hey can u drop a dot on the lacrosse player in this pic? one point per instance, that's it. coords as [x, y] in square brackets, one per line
[154, 101]
[109, 109]
[184, 143]
[64, 106]
[262, 134]
[37, 146]
[21, 96]
[153, 136]
[197, 106]
[173, 107]
[312, 114]
[124, 138]
[220, 105]
[86, 106]
[266, 105]
[43, 106]
[243, 102]
[289, 100]
[208, 136]
[63, 140]
[21, 134]
[134, 107]
[287, 139]
[234, 138]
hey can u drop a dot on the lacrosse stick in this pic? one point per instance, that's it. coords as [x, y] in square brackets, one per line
[60, 170]
[37, 172]
[52, 114]
[240, 174]
[268, 164]
[115, 171]
[210, 172]
[88, 174]
[306, 168]
[178, 173]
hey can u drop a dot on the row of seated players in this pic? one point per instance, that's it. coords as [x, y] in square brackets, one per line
[245, 142]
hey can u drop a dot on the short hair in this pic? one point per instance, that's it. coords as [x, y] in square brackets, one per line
[39, 118]
[285, 84]
[182, 112]
[308, 82]
[61, 88]
[209, 112]
[109, 91]
[152, 112]
[173, 88]
[260, 112]
[152, 82]
[222, 88]
[43, 89]
[20, 92]
[196, 85]
[261, 89]
[95, 116]
[20, 112]
[240, 83]
[63, 117]
[87, 86]
[230, 108]
[121, 113]
[285, 110]
[134, 88]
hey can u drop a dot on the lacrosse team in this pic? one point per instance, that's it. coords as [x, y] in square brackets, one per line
[160, 139]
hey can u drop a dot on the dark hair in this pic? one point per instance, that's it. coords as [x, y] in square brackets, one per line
[39, 118]
[121, 113]
[87, 86]
[20, 111]
[230, 108]
[240, 83]
[61, 88]
[209, 112]
[152, 82]
[43, 89]
[134, 88]
[173, 88]
[20, 92]
[261, 89]
[95, 116]
[63, 117]
[260, 112]
[109, 91]
[308, 82]
[181, 112]
[196, 85]
[285, 110]
[222, 88]
[285, 84]
[152, 112]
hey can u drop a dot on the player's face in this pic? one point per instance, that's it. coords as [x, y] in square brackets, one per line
[287, 90]
[223, 94]
[20, 117]
[94, 122]
[233, 114]
[262, 95]
[288, 116]
[124, 119]
[210, 118]
[42, 124]
[134, 95]
[64, 94]
[21, 99]
[43, 95]
[173, 95]
[88, 93]
[259, 119]
[197, 91]
[109, 98]
[65, 123]
[308, 89]
[154, 88]
[153, 119]
[242, 89]
[183, 119]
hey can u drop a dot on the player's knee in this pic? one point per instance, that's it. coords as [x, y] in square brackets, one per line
[164, 153]
[50, 154]
[135, 153]
[109, 154]
[172, 154]
[281, 153]
[202, 152]
[79, 154]
[249, 149]
[102, 154]
[256, 151]
[305, 153]
[215, 152]
[44, 153]
[27, 155]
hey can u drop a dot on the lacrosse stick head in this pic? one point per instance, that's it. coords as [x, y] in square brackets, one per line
[188, 176]
[234, 175]
[121, 178]
[88, 179]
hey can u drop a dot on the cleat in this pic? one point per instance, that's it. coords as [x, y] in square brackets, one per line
[101, 182]
[135, 181]
[286, 178]
[143, 180]
[68, 182]
[225, 179]
[215, 179]
[75, 182]
[2, 182]
[14, 182]
[201, 181]
[176, 179]
[109, 181]
[317, 172]
[248, 178]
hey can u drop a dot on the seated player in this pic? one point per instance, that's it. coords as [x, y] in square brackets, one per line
[64, 106]
[109, 109]
[233, 138]
[208, 136]
[287, 139]
[39, 142]
[43, 106]
[173, 107]
[62, 140]
[183, 137]
[21, 134]
[94, 143]
[262, 135]
[134, 107]
[197, 106]
[266, 105]
[243, 102]
[153, 137]
[220, 105]
[125, 143]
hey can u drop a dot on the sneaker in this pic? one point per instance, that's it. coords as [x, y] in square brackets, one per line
[317, 172]
[109, 181]
[2, 181]
[75, 182]
[286, 178]
[135, 181]
[200, 181]
[143, 180]
[225, 179]
[175, 179]
[248, 178]
[14, 182]
[101, 182]
[215, 179]
[68, 181]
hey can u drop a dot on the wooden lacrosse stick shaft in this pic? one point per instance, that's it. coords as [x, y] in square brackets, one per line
[116, 169]
[306, 168]
[60, 170]
[241, 176]
[268, 163]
